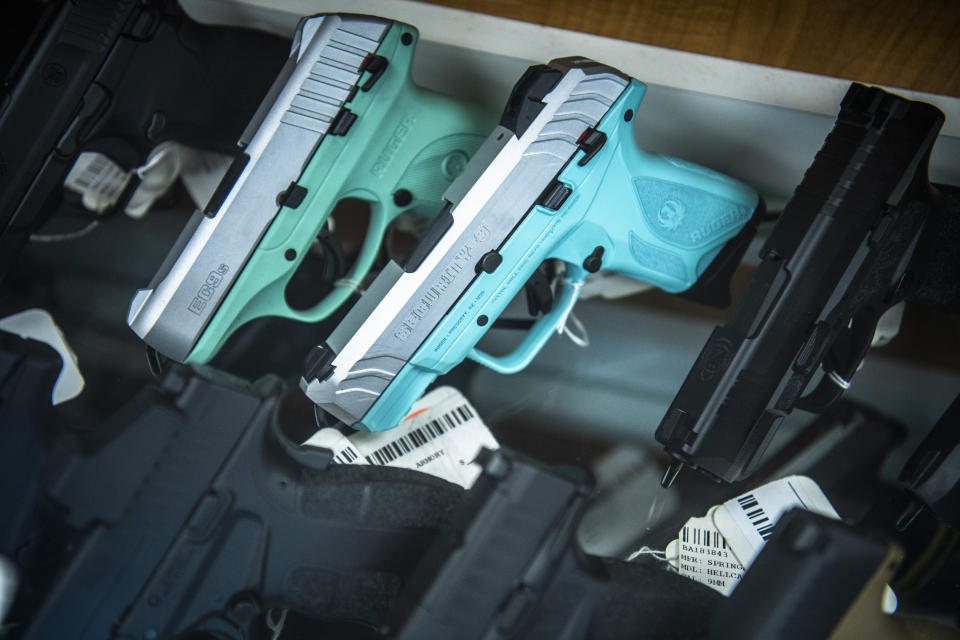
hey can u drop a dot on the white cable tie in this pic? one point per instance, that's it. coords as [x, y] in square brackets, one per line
[840, 382]
[562, 322]
[582, 340]
[647, 551]
[60, 237]
[152, 163]
[276, 626]
[349, 283]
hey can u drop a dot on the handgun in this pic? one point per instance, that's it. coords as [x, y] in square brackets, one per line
[838, 582]
[507, 564]
[118, 79]
[838, 257]
[931, 476]
[560, 177]
[342, 120]
[193, 513]
[198, 516]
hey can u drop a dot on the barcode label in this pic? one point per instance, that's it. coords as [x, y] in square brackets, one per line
[703, 537]
[742, 526]
[756, 515]
[700, 552]
[420, 436]
[98, 179]
[748, 521]
[347, 455]
[441, 436]
[88, 176]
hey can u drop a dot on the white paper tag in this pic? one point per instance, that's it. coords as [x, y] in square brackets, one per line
[740, 527]
[156, 176]
[98, 179]
[343, 451]
[441, 436]
[201, 173]
[700, 552]
[39, 325]
[748, 520]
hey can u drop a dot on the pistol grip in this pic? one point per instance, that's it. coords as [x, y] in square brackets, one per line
[688, 214]
[545, 326]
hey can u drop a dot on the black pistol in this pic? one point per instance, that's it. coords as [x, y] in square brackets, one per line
[839, 257]
[118, 78]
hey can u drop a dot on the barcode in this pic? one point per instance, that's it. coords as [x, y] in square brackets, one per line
[346, 455]
[756, 515]
[703, 537]
[92, 171]
[420, 436]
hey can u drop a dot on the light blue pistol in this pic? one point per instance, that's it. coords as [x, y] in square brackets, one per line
[560, 177]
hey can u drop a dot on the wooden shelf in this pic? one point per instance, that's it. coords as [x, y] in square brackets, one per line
[911, 45]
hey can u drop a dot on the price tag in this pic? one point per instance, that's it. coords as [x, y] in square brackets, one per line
[747, 521]
[700, 552]
[716, 549]
[98, 179]
[441, 436]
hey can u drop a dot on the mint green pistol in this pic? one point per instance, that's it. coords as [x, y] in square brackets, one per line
[343, 120]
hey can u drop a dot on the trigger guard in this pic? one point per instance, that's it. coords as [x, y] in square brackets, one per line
[351, 282]
[536, 338]
[372, 242]
[323, 264]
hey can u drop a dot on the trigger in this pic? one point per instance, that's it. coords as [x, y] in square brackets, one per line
[539, 293]
[324, 263]
[328, 250]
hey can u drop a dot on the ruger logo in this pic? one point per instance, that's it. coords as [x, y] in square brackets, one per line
[671, 214]
[214, 278]
[731, 216]
[393, 145]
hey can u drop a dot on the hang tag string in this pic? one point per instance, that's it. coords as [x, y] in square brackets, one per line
[648, 551]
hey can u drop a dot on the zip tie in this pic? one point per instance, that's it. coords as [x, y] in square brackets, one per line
[582, 340]
[60, 237]
[153, 162]
[562, 322]
[647, 551]
[840, 382]
[276, 626]
[349, 283]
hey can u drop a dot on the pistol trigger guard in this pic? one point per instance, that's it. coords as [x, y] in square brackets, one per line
[351, 282]
[549, 323]
[844, 358]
